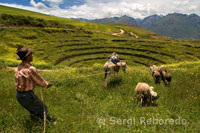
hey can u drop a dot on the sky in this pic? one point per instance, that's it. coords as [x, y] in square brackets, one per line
[97, 9]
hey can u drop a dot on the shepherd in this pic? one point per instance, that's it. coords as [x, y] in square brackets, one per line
[114, 58]
[26, 79]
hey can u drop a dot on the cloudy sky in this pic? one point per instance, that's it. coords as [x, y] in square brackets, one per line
[92, 9]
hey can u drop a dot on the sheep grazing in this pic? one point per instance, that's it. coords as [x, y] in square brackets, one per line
[156, 74]
[166, 77]
[145, 92]
[160, 72]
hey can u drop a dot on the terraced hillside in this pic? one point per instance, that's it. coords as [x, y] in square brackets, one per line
[75, 47]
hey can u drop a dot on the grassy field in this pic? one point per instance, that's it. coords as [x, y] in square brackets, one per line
[81, 103]
[75, 52]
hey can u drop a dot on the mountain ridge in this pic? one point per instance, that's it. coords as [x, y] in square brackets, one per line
[123, 19]
[175, 25]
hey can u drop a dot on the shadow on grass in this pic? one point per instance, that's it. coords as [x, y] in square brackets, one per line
[33, 126]
[115, 82]
[147, 103]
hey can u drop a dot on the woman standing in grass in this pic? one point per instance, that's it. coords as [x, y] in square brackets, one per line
[26, 79]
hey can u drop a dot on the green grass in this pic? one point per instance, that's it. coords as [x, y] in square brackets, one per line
[78, 100]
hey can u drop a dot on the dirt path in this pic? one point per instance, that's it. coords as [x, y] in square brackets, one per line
[119, 33]
[133, 34]
[123, 32]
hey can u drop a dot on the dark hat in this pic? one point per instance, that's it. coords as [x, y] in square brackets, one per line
[22, 52]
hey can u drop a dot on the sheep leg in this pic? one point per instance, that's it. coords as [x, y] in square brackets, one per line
[141, 102]
[159, 81]
[163, 78]
[155, 80]
[165, 82]
[145, 101]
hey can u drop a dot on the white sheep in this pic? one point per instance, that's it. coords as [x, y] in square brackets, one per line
[145, 92]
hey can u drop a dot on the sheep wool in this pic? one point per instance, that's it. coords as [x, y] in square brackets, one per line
[145, 92]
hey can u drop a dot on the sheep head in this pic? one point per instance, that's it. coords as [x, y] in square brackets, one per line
[152, 68]
[153, 93]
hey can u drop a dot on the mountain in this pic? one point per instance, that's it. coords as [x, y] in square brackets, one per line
[179, 26]
[149, 21]
[124, 19]
[175, 25]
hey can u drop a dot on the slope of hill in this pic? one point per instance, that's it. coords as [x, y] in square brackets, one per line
[24, 13]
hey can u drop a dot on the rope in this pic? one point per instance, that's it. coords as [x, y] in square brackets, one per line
[80, 76]
[44, 130]
[41, 94]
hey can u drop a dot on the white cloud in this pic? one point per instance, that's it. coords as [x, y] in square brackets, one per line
[101, 10]
[192, 8]
[178, 2]
[53, 1]
[38, 5]
[134, 8]
[25, 7]
[92, 9]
